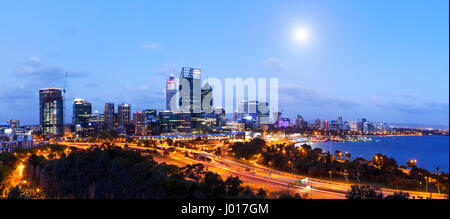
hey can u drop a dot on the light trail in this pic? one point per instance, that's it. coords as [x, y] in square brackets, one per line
[260, 176]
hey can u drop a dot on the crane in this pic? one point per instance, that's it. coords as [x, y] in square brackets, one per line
[64, 96]
[65, 84]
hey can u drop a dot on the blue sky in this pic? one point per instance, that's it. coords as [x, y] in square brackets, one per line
[382, 60]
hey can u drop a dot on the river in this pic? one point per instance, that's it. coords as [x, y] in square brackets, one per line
[430, 151]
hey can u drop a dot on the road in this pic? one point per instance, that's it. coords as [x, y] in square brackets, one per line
[258, 176]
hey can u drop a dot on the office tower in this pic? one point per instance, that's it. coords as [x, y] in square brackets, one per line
[185, 122]
[96, 122]
[263, 112]
[116, 120]
[151, 122]
[207, 98]
[150, 113]
[167, 121]
[82, 109]
[339, 122]
[171, 90]
[51, 115]
[124, 115]
[283, 123]
[139, 123]
[300, 122]
[317, 123]
[13, 124]
[190, 90]
[361, 124]
[353, 125]
[324, 125]
[255, 112]
[242, 110]
[220, 112]
[109, 116]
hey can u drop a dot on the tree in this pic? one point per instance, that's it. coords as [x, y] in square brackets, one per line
[398, 195]
[347, 156]
[261, 193]
[364, 192]
[218, 152]
[233, 185]
[339, 154]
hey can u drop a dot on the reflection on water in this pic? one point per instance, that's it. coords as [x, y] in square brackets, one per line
[429, 151]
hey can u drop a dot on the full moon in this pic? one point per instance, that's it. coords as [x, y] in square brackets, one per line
[301, 35]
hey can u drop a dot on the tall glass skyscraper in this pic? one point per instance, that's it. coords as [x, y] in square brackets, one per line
[171, 90]
[207, 98]
[109, 116]
[51, 115]
[190, 90]
[82, 109]
[124, 115]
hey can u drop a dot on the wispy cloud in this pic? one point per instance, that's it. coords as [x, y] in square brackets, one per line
[151, 46]
[274, 65]
[38, 72]
[166, 69]
[144, 96]
[296, 94]
[407, 95]
[417, 108]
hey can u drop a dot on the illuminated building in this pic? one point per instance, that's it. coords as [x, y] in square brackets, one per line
[80, 117]
[353, 125]
[207, 98]
[124, 115]
[14, 124]
[124, 119]
[167, 121]
[51, 115]
[283, 123]
[254, 112]
[300, 122]
[317, 123]
[184, 122]
[171, 90]
[139, 123]
[151, 122]
[190, 90]
[96, 122]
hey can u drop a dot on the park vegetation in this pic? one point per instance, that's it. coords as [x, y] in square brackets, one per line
[304, 160]
[107, 172]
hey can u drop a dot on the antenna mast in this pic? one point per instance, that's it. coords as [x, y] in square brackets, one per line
[64, 96]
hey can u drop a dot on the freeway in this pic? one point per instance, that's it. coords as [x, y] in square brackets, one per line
[258, 176]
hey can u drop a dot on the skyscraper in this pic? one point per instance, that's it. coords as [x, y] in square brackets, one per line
[139, 123]
[109, 116]
[207, 98]
[95, 122]
[51, 115]
[171, 90]
[124, 115]
[82, 109]
[14, 124]
[190, 90]
[340, 122]
[300, 122]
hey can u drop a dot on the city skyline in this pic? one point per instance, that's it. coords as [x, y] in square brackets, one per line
[403, 79]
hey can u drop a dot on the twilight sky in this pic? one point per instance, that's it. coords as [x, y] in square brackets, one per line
[382, 60]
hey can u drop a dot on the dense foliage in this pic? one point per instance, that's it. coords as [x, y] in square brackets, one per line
[114, 173]
[372, 192]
